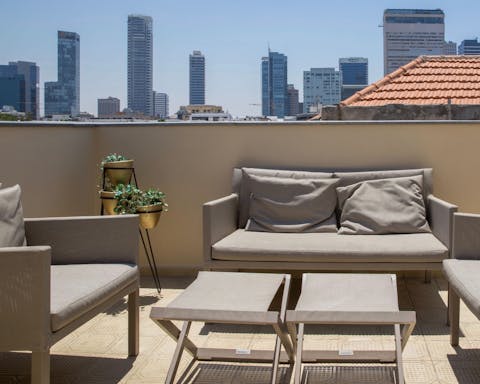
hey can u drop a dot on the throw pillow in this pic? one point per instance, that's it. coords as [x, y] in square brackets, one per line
[12, 230]
[291, 205]
[245, 192]
[383, 206]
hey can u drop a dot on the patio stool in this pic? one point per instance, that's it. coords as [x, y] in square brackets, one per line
[227, 298]
[343, 298]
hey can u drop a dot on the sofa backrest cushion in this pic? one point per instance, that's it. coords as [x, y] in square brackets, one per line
[12, 228]
[376, 207]
[243, 189]
[291, 205]
[349, 178]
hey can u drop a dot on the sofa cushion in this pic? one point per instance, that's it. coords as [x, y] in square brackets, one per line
[243, 245]
[290, 205]
[383, 206]
[348, 178]
[12, 229]
[76, 289]
[463, 277]
[241, 187]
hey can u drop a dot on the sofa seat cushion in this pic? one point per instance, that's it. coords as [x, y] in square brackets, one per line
[242, 245]
[463, 277]
[78, 288]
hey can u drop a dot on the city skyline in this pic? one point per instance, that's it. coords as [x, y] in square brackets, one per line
[232, 44]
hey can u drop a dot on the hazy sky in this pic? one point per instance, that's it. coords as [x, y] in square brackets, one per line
[233, 36]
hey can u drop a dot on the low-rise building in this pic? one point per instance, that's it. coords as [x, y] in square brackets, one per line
[108, 107]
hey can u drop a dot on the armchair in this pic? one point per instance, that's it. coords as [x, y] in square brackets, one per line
[71, 269]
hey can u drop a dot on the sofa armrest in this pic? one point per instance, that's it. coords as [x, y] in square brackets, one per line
[441, 219]
[86, 239]
[25, 298]
[466, 236]
[220, 218]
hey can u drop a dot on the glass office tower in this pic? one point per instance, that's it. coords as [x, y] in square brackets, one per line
[140, 64]
[197, 78]
[274, 85]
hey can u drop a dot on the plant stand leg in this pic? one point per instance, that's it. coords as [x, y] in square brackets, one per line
[150, 259]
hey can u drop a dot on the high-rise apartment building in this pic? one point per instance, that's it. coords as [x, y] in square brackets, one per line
[274, 85]
[450, 48]
[62, 97]
[140, 64]
[469, 47]
[19, 87]
[409, 33]
[321, 86]
[160, 105]
[292, 100]
[197, 78]
[108, 107]
[354, 72]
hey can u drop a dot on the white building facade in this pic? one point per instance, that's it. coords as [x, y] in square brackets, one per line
[409, 33]
[321, 86]
[160, 105]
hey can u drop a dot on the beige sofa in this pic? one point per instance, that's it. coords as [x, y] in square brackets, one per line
[227, 245]
[71, 269]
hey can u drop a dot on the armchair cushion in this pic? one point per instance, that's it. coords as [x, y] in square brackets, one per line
[383, 206]
[12, 229]
[76, 289]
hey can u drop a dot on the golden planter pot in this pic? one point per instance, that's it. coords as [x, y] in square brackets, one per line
[149, 215]
[119, 172]
[109, 202]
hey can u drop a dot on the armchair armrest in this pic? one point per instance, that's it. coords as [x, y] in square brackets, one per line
[86, 239]
[25, 298]
[220, 218]
[441, 219]
[466, 236]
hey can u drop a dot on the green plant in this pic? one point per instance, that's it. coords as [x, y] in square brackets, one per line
[153, 196]
[111, 158]
[128, 198]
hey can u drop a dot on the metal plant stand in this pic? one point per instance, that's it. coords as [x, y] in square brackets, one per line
[147, 244]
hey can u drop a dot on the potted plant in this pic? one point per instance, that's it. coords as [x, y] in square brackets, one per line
[148, 205]
[118, 169]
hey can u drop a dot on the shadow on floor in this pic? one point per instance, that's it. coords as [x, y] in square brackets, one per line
[15, 368]
[208, 373]
[122, 305]
[465, 365]
[337, 374]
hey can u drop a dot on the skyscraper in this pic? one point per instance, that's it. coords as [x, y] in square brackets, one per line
[160, 105]
[292, 102]
[274, 85]
[469, 47]
[62, 97]
[140, 64]
[354, 72]
[409, 33]
[321, 86]
[20, 87]
[197, 78]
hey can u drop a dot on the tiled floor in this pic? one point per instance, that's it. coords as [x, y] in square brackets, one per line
[96, 353]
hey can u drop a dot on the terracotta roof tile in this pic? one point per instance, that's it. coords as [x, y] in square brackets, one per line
[425, 80]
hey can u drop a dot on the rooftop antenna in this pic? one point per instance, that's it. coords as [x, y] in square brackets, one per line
[268, 44]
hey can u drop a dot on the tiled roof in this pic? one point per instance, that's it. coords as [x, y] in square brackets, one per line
[426, 80]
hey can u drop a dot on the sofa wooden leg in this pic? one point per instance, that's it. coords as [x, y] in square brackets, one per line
[454, 316]
[40, 367]
[428, 277]
[133, 323]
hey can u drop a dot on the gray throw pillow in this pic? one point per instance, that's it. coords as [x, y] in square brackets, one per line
[12, 230]
[245, 192]
[383, 206]
[291, 205]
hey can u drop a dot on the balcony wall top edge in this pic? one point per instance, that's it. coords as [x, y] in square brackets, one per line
[231, 123]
